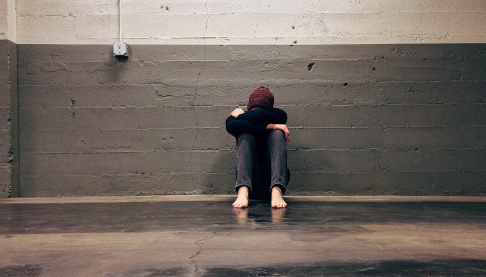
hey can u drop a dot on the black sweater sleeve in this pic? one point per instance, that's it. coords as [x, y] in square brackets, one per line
[254, 121]
[237, 127]
[264, 117]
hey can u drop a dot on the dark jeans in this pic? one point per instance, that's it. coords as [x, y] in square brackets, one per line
[261, 178]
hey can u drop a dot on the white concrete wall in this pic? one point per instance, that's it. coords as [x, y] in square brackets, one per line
[12, 20]
[8, 20]
[3, 19]
[251, 21]
[8, 88]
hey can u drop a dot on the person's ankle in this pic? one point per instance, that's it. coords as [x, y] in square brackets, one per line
[244, 190]
[277, 188]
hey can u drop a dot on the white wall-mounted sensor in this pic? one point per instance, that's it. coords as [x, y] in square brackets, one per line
[120, 49]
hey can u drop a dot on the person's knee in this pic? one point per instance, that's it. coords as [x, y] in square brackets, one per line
[277, 135]
[246, 137]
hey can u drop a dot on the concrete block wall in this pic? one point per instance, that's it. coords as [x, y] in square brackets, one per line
[383, 98]
[8, 100]
[5, 135]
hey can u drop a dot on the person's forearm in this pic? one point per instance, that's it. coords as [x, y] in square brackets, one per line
[271, 126]
[281, 127]
[238, 127]
[264, 117]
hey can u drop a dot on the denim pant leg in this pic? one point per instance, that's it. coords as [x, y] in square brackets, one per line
[277, 149]
[246, 161]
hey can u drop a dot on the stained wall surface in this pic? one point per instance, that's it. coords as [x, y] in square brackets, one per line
[383, 98]
[5, 167]
[8, 101]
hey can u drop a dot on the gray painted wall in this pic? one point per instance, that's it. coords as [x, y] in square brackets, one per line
[365, 119]
[8, 118]
[4, 124]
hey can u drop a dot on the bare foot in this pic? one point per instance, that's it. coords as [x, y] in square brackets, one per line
[277, 200]
[242, 199]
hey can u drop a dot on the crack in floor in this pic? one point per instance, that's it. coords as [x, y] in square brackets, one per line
[192, 262]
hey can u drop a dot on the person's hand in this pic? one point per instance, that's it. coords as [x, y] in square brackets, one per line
[281, 127]
[236, 112]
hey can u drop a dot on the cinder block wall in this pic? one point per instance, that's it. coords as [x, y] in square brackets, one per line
[8, 101]
[5, 166]
[383, 97]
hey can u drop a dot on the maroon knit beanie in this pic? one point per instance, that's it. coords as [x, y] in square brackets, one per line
[261, 97]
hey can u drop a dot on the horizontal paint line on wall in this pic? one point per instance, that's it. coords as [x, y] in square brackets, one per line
[401, 150]
[189, 173]
[383, 172]
[114, 150]
[231, 85]
[230, 107]
[140, 174]
[128, 129]
[383, 127]
[296, 128]
[251, 10]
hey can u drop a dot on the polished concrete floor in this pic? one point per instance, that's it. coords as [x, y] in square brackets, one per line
[205, 236]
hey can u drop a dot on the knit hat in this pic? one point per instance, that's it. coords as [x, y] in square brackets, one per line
[261, 97]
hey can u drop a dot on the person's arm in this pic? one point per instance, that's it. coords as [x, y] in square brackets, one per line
[237, 127]
[256, 121]
[264, 117]
[281, 127]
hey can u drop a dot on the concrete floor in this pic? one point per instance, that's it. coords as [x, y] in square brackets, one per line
[205, 236]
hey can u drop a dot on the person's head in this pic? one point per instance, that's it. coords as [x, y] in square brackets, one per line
[261, 97]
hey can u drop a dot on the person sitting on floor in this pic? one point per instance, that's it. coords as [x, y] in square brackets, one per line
[261, 147]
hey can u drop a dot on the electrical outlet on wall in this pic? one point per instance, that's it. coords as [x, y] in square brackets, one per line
[120, 49]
